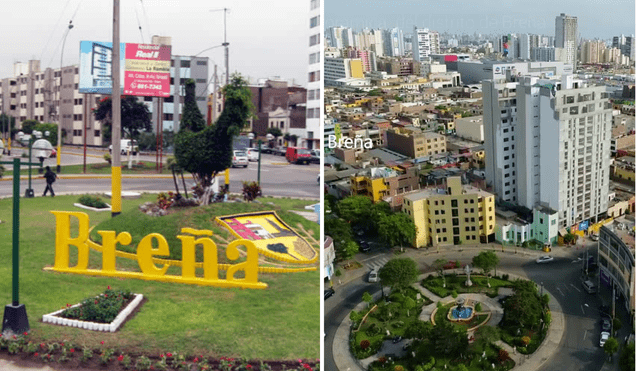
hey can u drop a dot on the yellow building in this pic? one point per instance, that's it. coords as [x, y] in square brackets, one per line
[461, 214]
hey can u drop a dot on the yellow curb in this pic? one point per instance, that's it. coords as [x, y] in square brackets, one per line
[81, 154]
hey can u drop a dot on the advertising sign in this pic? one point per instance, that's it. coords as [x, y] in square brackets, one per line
[584, 225]
[96, 60]
[147, 70]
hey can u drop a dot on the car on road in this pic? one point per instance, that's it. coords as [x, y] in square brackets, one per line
[605, 311]
[127, 145]
[604, 336]
[396, 339]
[589, 287]
[606, 324]
[451, 265]
[544, 259]
[315, 156]
[329, 293]
[240, 159]
[253, 154]
[594, 237]
[280, 151]
[298, 155]
[373, 276]
[364, 246]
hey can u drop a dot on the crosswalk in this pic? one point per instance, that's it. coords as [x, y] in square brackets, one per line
[377, 263]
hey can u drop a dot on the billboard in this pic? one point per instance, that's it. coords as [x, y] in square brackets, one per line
[147, 70]
[96, 61]
[144, 69]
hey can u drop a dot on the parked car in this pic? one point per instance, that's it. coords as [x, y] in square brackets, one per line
[280, 151]
[266, 148]
[252, 154]
[298, 155]
[594, 237]
[127, 145]
[604, 336]
[373, 276]
[606, 324]
[329, 293]
[315, 156]
[240, 159]
[589, 287]
[544, 259]
[396, 339]
[364, 246]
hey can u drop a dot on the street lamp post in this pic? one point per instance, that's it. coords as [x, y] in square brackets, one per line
[28, 193]
[59, 154]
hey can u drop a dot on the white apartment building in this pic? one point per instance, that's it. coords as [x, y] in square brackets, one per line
[562, 151]
[341, 68]
[314, 85]
[547, 54]
[425, 42]
[567, 37]
[393, 42]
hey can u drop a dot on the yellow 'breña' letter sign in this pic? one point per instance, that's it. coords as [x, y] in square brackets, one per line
[146, 253]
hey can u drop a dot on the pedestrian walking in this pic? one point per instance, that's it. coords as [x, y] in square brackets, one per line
[50, 177]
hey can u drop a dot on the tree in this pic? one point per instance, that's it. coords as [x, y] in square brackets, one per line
[399, 273]
[418, 330]
[287, 138]
[134, 117]
[207, 152]
[486, 335]
[522, 309]
[347, 250]
[439, 264]
[397, 229]
[354, 209]
[53, 132]
[275, 132]
[28, 126]
[628, 357]
[486, 260]
[617, 324]
[192, 119]
[611, 346]
[294, 139]
[366, 297]
[341, 233]
[8, 125]
[446, 339]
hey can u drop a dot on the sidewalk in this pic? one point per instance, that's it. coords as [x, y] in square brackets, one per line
[345, 361]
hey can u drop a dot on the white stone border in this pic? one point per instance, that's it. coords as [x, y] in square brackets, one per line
[107, 327]
[92, 208]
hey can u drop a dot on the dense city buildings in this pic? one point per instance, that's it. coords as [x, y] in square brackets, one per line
[314, 85]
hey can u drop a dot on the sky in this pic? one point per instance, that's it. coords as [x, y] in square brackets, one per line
[267, 39]
[596, 18]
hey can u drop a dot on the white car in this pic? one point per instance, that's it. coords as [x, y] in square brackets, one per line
[240, 159]
[604, 336]
[544, 259]
[373, 276]
[594, 237]
[253, 154]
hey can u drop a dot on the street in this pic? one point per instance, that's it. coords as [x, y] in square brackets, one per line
[277, 178]
[579, 348]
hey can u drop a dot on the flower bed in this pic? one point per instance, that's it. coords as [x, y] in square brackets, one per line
[105, 312]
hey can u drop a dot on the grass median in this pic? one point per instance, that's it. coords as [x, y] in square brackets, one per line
[278, 323]
[103, 168]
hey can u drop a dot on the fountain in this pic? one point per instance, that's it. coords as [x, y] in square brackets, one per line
[460, 312]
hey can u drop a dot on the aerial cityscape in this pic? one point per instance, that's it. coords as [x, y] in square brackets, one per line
[479, 181]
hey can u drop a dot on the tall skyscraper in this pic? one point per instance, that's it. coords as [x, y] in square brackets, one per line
[424, 43]
[314, 84]
[393, 42]
[567, 37]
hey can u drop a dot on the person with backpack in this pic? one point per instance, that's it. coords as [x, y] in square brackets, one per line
[50, 177]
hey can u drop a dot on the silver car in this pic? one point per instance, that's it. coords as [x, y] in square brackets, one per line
[240, 159]
[373, 276]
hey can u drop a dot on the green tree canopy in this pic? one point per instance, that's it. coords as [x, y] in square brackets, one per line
[28, 126]
[399, 273]
[611, 346]
[397, 229]
[628, 357]
[192, 119]
[354, 209]
[523, 309]
[206, 151]
[134, 117]
[445, 339]
[487, 335]
[486, 260]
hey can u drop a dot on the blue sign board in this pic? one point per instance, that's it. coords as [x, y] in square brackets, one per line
[583, 226]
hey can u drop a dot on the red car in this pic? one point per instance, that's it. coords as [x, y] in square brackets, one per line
[450, 265]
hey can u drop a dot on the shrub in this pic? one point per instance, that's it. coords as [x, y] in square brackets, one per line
[505, 277]
[525, 340]
[251, 191]
[398, 368]
[478, 307]
[107, 158]
[165, 200]
[454, 294]
[364, 344]
[92, 201]
[102, 309]
[143, 363]
[338, 273]
[503, 355]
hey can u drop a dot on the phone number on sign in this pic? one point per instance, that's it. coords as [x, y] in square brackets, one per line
[149, 86]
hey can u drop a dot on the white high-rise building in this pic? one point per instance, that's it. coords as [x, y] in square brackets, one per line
[335, 37]
[393, 42]
[347, 38]
[424, 43]
[314, 83]
[545, 144]
[567, 37]
[524, 46]
[564, 127]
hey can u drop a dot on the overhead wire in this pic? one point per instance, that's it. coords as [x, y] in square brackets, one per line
[138, 20]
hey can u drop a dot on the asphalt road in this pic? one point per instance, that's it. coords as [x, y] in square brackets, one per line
[276, 179]
[579, 349]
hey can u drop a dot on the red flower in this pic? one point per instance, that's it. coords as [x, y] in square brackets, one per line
[72, 350]
[161, 355]
[35, 354]
[95, 302]
[195, 360]
[120, 358]
[249, 366]
[42, 345]
[48, 356]
[169, 354]
[108, 287]
[14, 337]
[102, 342]
[25, 333]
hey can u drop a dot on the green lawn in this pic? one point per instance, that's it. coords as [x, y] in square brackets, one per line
[441, 314]
[280, 322]
[456, 283]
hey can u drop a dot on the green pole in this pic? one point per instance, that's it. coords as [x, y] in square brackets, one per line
[259, 158]
[16, 228]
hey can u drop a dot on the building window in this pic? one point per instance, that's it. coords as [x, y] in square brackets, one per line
[201, 63]
[184, 63]
[314, 40]
[315, 21]
[454, 203]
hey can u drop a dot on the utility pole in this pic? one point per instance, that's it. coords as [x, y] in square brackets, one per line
[225, 43]
[116, 181]
[59, 154]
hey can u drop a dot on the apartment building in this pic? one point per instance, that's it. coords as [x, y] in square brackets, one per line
[616, 260]
[313, 125]
[459, 214]
[425, 42]
[567, 37]
[415, 144]
[342, 68]
[562, 147]
[384, 183]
